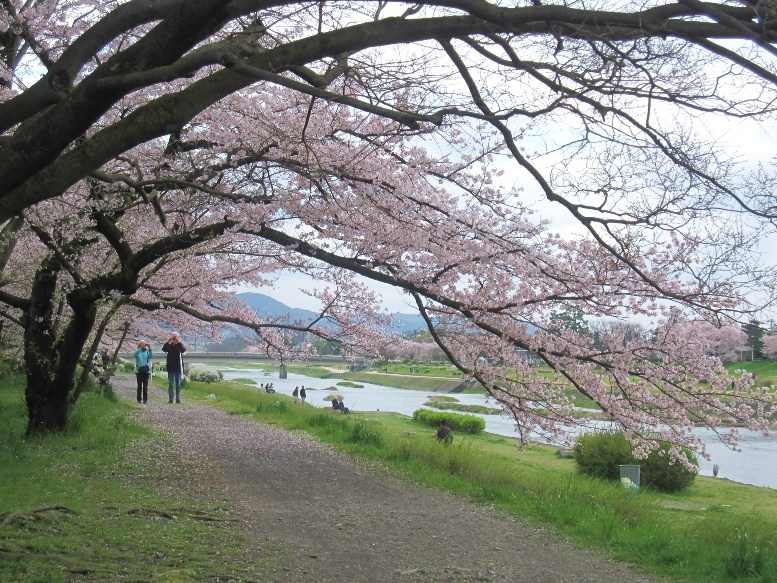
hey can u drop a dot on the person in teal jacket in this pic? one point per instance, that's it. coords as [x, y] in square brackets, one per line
[143, 356]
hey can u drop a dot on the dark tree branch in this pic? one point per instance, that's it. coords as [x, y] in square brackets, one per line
[29, 172]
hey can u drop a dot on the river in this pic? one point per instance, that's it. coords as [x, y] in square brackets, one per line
[755, 464]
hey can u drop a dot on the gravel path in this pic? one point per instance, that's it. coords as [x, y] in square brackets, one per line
[318, 516]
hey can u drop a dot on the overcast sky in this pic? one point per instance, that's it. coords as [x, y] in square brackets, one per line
[290, 286]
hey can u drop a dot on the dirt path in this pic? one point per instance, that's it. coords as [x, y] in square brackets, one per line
[320, 517]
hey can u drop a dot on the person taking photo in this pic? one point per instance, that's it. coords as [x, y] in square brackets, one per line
[175, 350]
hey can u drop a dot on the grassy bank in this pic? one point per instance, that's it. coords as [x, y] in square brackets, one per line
[449, 403]
[420, 379]
[716, 531]
[765, 371]
[83, 506]
[436, 378]
[417, 382]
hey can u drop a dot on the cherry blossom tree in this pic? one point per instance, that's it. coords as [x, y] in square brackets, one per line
[72, 288]
[603, 331]
[770, 346]
[412, 349]
[420, 146]
[57, 303]
[721, 339]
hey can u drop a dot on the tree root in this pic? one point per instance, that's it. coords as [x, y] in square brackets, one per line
[32, 515]
[174, 514]
[152, 512]
[207, 516]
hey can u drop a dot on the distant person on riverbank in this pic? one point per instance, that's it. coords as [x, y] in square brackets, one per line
[143, 356]
[303, 393]
[444, 433]
[338, 405]
[295, 394]
[175, 350]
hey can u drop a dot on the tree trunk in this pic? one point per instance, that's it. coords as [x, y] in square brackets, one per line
[89, 361]
[52, 359]
[51, 372]
[47, 403]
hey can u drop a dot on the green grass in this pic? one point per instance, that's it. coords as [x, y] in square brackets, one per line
[315, 371]
[246, 382]
[715, 531]
[765, 371]
[441, 370]
[311, 370]
[76, 506]
[450, 403]
[433, 378]
[430, 378]
[419, 383]
[81, 506]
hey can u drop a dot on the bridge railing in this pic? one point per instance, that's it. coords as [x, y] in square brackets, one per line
[192, 355]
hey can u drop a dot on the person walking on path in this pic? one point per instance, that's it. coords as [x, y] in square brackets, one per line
[295, 394]
[175, 351]
[302, 393]
[143, 356]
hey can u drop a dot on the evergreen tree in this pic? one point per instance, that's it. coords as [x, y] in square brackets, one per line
[755, 338]
[571, 319]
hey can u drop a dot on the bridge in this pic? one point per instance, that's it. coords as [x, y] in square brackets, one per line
[354, 364]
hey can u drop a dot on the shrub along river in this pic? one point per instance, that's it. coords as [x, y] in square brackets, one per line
[755, 464]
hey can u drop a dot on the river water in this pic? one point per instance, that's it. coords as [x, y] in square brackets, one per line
[755, 464]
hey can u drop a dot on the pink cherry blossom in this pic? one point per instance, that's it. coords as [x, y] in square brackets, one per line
[154, 155]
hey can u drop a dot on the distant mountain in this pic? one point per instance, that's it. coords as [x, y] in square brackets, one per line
[408, 322]
[266, 306]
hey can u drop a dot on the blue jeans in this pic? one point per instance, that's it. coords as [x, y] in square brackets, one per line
[174, 380]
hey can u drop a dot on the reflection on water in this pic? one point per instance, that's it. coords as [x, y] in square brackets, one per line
[755, 464]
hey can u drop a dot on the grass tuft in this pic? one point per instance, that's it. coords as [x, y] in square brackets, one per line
[745, 559]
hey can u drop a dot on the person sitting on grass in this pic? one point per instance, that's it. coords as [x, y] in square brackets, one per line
[444, 433]
[338, 405]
